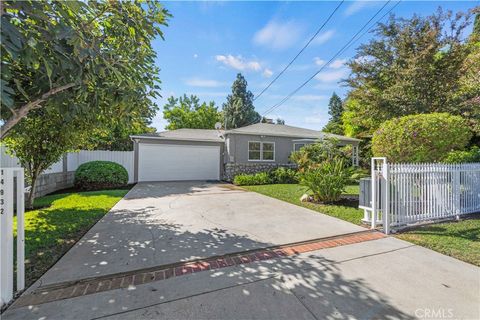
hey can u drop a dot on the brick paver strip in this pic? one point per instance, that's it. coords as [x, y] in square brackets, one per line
[137, 277]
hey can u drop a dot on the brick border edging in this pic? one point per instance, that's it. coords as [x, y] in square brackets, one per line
[67, 290]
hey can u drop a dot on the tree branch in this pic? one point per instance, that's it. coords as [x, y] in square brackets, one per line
[25, 109]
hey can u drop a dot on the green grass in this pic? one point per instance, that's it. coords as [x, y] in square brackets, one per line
[292, 192]
[59, 221]
[460, 239]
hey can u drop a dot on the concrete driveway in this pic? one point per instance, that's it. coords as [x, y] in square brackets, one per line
[156, 224]
[161, 223]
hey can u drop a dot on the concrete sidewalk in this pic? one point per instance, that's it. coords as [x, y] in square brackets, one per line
[161, 223]
[386, 278]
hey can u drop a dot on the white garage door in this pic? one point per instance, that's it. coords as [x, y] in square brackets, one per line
[170, 162]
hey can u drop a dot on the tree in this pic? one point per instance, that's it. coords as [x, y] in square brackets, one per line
[239, 110]
[187, 112]
[280, 121]
[41, 139]
[95, 54]
[469, 82]
[72, 68]
[411, 66]
[335, 110]
[115, 136]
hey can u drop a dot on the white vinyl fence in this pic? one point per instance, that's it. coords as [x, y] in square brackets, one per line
[124, 158]
[74, 159]
[404, 194]
[8, 185]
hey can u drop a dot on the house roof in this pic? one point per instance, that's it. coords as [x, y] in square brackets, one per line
[265, 129]
[185, 134]
[268, 129]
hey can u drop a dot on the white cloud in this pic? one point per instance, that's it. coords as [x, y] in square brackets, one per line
[195, 56]
[316, 118]
[332, 76]
[278, 35]
[338, 63]
[267, 73]
[239, 63]
[318, 61]
[324, 37]
[205, 83]
[357, 6]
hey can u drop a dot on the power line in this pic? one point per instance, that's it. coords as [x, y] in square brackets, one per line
[345, 47]
[300, 52]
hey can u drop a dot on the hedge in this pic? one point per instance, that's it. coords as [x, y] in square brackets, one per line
[98, 175]
[420, 138]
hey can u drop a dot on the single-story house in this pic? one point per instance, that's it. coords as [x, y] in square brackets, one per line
[200, 154]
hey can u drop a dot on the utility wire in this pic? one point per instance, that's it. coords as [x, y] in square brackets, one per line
[300, 52]
[344, 48]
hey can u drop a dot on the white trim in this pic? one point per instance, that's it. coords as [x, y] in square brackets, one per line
[261, 151]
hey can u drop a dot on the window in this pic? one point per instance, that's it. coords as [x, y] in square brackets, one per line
[268, 151]
[254, 150]
[298, 146]
[261, 151]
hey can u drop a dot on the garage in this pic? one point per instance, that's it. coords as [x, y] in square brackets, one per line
[170, 162]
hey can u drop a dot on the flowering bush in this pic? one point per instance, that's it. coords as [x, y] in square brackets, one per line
[420, 138]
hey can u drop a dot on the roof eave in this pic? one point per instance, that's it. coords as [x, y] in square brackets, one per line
[179, 139]
[292, 135]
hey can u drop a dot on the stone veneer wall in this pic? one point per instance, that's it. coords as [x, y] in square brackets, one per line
[233, 169]
[51, 182]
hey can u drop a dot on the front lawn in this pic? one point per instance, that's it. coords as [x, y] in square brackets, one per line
[58, 222]
[345, 210]
[460, 239]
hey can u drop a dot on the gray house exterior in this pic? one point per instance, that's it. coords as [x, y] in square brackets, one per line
[255, 148]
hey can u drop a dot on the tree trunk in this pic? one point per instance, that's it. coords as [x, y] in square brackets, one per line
[31, 195]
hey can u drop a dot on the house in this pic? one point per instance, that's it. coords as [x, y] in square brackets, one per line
[200, 154]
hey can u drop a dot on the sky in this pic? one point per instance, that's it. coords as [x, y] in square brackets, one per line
[207, 43]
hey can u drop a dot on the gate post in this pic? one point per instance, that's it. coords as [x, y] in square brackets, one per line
[374, 195]
[386, 197]
[7, 288]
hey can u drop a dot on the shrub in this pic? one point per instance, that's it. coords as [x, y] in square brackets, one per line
[97, 175]
[356, 174]
[420, 138]
[252, 179]
[315, 153]
[472, 155]
[327, 180]
[283, 175]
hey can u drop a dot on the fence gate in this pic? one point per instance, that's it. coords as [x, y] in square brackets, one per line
[405, 193]
[11, 202]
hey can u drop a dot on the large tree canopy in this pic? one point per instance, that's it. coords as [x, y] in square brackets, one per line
[188, 112]
[411, 66]
[239, 110]
[97, 55]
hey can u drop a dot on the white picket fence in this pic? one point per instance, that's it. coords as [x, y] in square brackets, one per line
[405, 194]
[7, 264]
[75, 159]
